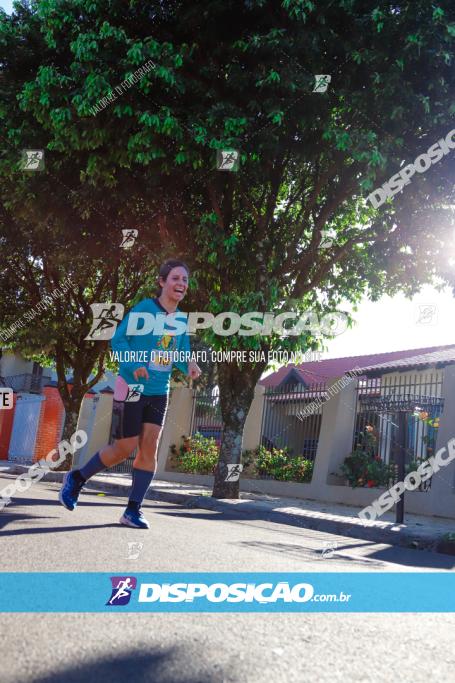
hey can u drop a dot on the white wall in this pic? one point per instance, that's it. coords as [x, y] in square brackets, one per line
[14, 364]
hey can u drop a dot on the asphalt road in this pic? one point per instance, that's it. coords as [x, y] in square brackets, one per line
[37, 534]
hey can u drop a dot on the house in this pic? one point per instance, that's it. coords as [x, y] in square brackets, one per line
[391, 396]
[34, 426]
[21, 374]
[290, 390]
[319, 372]
[401, 397]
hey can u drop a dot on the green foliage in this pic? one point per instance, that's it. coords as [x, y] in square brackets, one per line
[199, 98]
[414, 464]
[277, 463]
[197, 455]
[364, 467]
[226, 75]
[361, 469]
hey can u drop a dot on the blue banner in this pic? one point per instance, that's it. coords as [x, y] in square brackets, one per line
[227, 592]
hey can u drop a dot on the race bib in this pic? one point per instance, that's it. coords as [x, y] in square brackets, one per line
[161, 356]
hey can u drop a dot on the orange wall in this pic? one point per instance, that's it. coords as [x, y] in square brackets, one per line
[50, 423]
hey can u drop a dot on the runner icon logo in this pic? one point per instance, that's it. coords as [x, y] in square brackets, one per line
[134, 392]
[328, 549]
[32, 160]
[321, 82]
[106, 317]
[234, 471]
[134, 549]
[227, 159]
[122, 587]
[129, 238]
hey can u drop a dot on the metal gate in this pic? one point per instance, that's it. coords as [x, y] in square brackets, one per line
[206, 418]
[281, 424]
[403, 415]
[25, 428]
[392, 408]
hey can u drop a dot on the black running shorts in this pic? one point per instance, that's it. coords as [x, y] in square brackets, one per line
[129, 416]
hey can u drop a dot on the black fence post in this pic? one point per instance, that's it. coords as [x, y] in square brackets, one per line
[401, 451]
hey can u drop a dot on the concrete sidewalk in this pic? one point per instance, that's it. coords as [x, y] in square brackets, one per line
[418, 531]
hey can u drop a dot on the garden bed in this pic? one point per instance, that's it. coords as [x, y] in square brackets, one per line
[199, 455]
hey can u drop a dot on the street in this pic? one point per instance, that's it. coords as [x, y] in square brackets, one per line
[39, 535]
[226, 298]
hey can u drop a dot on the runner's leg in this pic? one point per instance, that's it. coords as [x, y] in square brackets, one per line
[144, 464]
[127, 423]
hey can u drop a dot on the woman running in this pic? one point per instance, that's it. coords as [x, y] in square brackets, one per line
[138, 423]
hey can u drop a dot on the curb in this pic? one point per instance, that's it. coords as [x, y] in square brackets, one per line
[391, 533]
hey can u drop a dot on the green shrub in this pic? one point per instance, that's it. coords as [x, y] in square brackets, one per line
[365, 468]
[197, 454]
[278, 464]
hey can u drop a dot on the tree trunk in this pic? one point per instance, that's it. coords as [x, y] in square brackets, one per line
[72, 408]
[236, 394]
[72, 399]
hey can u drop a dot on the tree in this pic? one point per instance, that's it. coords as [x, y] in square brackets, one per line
[241, 75]
[71, 236]
[54, 286]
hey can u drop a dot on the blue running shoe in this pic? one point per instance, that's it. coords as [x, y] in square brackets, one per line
[134, 518]
[71, 488]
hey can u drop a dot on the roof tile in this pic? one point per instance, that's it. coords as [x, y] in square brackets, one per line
[323, 370]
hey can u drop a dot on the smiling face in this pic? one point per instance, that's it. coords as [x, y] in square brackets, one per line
[175, 286]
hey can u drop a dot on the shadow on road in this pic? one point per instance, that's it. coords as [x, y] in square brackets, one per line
[407, 557]
[11, 515]
[395, 554]
[307, 553]
[9, 518]
[18, 511]
[169, 666]
[57, 529]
